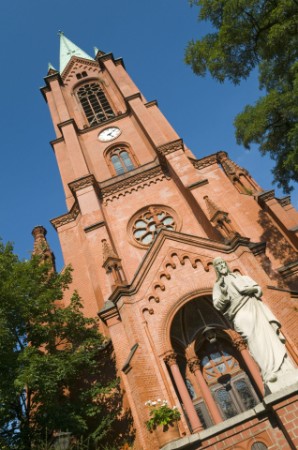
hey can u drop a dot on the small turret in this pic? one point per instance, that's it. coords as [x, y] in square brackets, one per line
[41, 246]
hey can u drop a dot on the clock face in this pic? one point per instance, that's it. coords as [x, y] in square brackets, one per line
[109, 134]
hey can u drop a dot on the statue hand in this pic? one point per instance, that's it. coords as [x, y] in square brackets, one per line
[223, 286]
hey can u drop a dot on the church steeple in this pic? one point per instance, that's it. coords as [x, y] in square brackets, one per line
[144, 221]
[69, 49]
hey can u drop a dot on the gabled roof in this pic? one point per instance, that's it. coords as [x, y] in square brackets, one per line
[69, 49]
[174, 237]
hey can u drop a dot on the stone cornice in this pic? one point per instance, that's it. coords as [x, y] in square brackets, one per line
[81, 183]
[47, 79]
[152, 103]
[66, 218]
[109, 311]
[133, 97]
[119, 62]
[131, 181]
[206, 161]
[66, 123]
[257, 248]
[198, 184]
[94, 226]
[56, 141]
[110, 56]
[285, 201]
[289, 270]
[54, 76]
[106, 57]
[264, 197]
[257, 413]
[170, 147]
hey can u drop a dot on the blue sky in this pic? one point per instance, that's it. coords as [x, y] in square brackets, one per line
[151, 37]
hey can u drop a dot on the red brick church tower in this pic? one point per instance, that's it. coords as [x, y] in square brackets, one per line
[144, 221]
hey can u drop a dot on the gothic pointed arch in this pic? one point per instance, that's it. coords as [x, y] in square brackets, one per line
[94, 101]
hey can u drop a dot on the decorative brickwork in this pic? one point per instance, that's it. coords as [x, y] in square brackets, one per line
[170, 147]
[66, 218]
[133, 184]
[156, 296]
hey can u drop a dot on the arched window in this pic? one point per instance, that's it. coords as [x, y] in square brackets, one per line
[259, 446]
[229, 384]
[94, 103]
[122, 161]
[208, 360]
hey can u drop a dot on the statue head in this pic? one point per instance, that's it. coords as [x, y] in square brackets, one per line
[220, 267]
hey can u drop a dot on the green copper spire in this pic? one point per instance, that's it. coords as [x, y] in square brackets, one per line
[69, 49]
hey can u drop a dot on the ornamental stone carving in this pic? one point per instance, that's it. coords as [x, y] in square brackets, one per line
[81, 183]
[170, 147]
[193, 364]
[205, 162]
[129, 184]
[66, 218]
[171, 359]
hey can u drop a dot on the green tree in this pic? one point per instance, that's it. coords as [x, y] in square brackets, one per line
[56, 371]
[262, 34]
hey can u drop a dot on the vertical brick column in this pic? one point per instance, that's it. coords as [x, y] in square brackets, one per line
[194, 420]
[194, 366]
[251, 365]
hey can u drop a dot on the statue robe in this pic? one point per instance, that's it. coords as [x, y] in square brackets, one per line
[252, 320]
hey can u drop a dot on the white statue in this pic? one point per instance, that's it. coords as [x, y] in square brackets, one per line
[238, 297]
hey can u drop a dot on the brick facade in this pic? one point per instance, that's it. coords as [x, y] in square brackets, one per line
[199, 209]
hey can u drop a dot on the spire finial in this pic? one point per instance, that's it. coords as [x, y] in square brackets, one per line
[69, 49]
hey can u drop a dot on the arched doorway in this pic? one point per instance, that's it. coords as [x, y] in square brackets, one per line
[215, 374]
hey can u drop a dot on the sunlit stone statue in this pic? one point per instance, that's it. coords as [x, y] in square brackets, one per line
[238, 297]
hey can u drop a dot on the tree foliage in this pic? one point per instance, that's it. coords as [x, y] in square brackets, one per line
[56, 373]
[260, 34]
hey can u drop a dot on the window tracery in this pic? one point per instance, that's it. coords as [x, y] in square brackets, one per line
[146, 223]
[94, 103]
[219, 368]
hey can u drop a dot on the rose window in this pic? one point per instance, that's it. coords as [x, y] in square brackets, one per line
[148, 223]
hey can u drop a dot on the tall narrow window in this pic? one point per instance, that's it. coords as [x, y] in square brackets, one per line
[229, 384]
[121, 160]
[94, 103]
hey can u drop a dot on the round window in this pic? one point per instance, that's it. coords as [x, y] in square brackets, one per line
[259, 446]
[146, 223]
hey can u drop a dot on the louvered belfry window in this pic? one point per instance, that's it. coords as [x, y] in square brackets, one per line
[94, 103]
